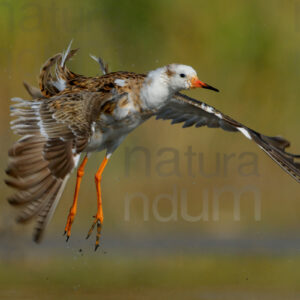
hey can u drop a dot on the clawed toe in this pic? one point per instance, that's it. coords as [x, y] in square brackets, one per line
[68, 227]
[98, 234]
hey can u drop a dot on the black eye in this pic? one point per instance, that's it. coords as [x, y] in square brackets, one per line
[182, 75]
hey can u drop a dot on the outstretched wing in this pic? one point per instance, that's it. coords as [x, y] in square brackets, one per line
[183, 109]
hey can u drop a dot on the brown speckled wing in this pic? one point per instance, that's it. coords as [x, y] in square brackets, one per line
[54, 131]
[191, 112]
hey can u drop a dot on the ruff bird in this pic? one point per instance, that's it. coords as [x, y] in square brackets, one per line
[71, 114]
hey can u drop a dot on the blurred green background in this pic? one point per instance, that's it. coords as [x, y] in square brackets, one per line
[250, 50]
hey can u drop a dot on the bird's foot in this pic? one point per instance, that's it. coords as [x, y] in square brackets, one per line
[68, 227]
[97, 221]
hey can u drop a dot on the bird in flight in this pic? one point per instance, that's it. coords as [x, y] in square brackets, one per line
[71, 114]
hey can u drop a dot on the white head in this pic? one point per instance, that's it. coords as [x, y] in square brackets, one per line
[162, 83]
[182, 77]
[179, 77]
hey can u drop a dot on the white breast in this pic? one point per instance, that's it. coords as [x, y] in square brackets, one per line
[155, 90]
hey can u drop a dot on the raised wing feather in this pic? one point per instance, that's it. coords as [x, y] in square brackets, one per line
[54, 133]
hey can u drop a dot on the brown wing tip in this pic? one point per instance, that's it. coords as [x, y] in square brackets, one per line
[11, 200]
[37, 236]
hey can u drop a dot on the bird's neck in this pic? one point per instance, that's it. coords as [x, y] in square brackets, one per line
[156, 91]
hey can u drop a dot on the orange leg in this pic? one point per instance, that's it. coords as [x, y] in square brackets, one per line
[99, 216]
[73, 209]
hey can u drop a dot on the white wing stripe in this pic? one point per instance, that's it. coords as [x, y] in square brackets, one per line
[245, 132]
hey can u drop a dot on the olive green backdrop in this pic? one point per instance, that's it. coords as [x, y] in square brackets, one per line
[151, 246]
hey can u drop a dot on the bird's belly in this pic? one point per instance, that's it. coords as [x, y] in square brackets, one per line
[109, 136]
[97, 142]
